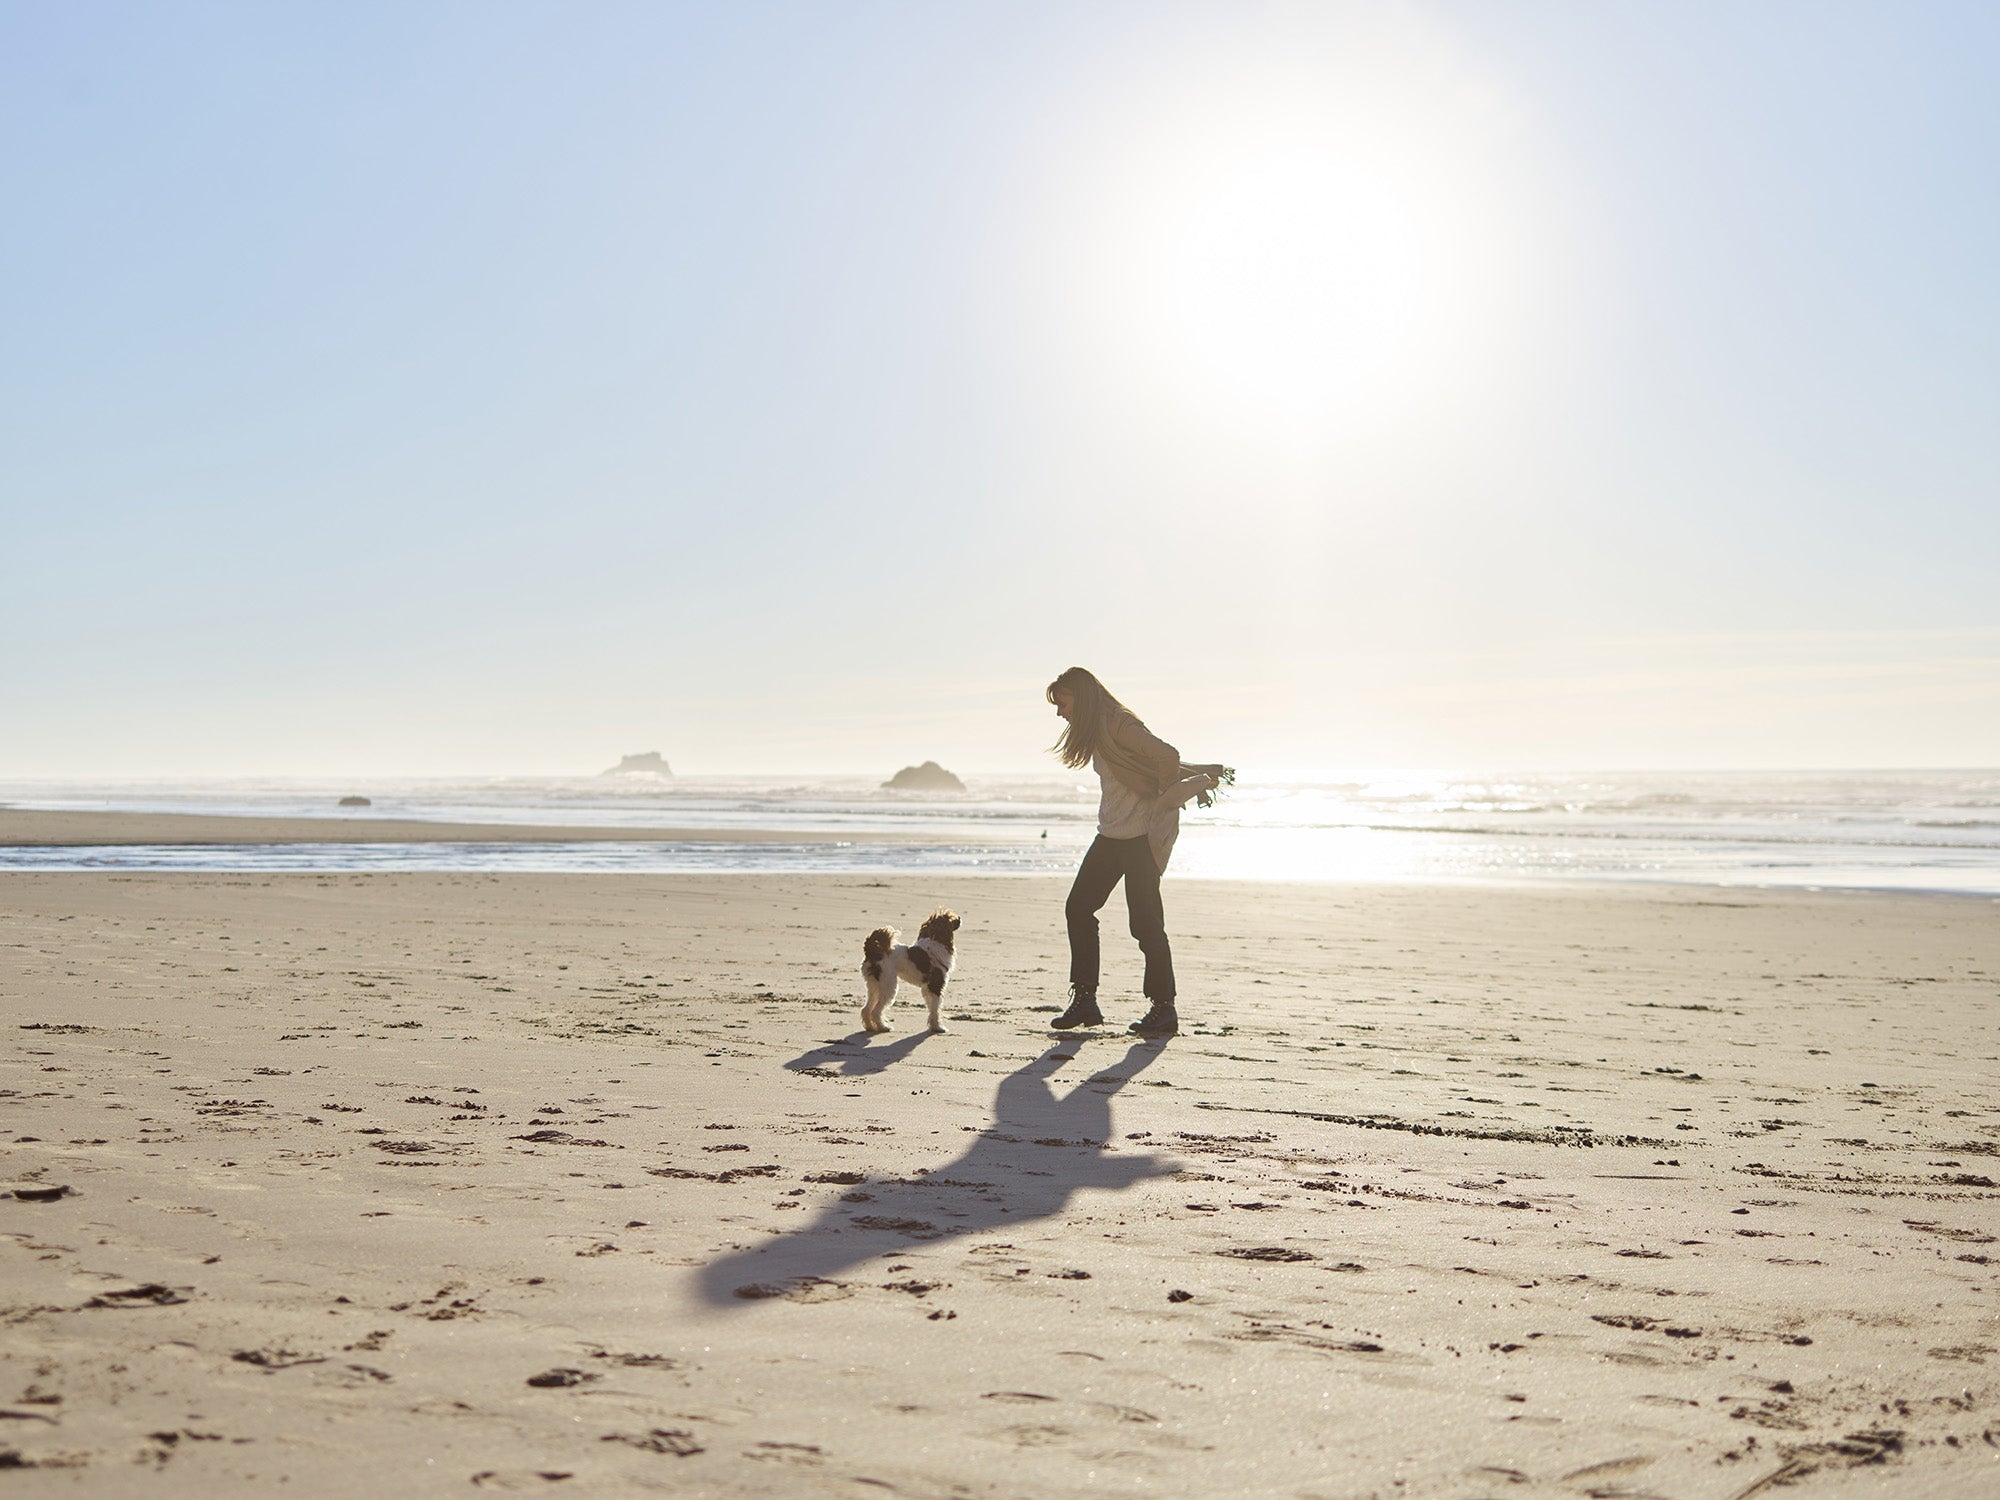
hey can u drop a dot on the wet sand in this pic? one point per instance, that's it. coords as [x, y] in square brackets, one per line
[29, 828]
[419, 1184]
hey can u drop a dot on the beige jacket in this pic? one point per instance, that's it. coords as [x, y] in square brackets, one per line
[1148, 765]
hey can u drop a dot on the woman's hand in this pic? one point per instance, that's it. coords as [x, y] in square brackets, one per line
[1216, 775]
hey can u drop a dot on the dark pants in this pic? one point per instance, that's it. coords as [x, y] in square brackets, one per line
[1105, 863]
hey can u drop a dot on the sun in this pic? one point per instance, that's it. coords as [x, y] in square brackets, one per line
[1294, 284]
[1297, 253]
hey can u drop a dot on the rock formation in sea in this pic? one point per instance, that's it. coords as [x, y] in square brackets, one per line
[928, 777]
[647, 761]
[355, 802]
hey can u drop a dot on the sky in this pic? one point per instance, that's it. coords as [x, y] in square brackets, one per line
[502, 387]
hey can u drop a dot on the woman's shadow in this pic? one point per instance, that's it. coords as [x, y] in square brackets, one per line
[1039, 1151]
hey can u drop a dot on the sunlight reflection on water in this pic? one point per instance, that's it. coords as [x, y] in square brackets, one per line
[1907, 830]
[1337, 856]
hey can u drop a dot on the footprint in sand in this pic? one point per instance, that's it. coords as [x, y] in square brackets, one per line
[276, 1359]
[561, 1378]
[1267, 1253]
[36, 1192]
[677, 1441]
[520, 1479]
[806, 1454]
[151, 1294]
[796, 1289]
[1609, 1469]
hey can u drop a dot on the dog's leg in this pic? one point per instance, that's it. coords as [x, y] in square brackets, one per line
[871, 1008]
[884, 993]
[931, 997]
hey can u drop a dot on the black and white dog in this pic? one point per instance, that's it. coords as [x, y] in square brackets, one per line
[925, 963]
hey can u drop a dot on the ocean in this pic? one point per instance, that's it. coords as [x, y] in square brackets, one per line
[1933, 831]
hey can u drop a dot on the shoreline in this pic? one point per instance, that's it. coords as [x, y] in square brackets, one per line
[26, 828]
[55, 831]
[249, 841]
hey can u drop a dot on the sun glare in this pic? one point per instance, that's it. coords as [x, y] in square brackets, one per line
[1307, 249]
[1294, 283]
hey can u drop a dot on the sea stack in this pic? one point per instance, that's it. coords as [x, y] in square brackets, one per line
[647, 762]
[928, 777]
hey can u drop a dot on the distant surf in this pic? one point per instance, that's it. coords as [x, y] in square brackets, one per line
[1894, 830]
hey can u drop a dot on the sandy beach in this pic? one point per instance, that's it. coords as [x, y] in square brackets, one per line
[410, 1184]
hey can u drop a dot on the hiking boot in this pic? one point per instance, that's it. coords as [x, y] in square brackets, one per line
[1082, 1011]
[1159, 1022]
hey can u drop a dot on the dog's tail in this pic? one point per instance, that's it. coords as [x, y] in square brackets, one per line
[876, 948]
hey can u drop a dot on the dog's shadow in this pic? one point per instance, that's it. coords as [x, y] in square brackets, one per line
[1040, 1150]
[857, 1053]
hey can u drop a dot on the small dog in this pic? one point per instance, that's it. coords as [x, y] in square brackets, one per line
[925, 963]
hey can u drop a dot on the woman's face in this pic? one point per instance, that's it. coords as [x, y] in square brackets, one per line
[1065, 704]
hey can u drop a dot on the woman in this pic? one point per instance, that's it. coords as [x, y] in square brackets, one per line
[1138, 817]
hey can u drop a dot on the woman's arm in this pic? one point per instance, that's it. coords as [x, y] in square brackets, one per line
[1149, 765]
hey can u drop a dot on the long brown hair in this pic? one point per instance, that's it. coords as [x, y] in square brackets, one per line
[1092, 710]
